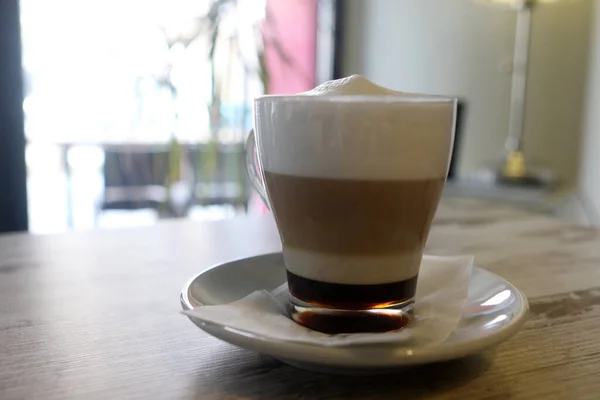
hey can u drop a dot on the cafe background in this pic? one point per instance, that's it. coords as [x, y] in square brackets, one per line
[136, 111]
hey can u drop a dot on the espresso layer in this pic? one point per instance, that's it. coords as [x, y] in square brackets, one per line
[353, 217]
[351, 297]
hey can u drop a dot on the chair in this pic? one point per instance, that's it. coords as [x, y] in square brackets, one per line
[221, 176]
[134, 178]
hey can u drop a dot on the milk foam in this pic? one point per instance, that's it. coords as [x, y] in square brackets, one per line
[352, 128]
[352, 85]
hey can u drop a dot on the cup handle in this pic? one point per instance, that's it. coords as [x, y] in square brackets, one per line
[253, 169]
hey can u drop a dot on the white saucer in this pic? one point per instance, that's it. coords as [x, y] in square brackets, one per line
[495, 311]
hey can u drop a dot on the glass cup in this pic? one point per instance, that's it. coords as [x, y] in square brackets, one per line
[353, 183]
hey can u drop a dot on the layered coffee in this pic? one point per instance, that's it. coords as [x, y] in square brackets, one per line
[353, 244]
[354, 174]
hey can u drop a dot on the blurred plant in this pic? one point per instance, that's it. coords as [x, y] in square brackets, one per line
[224, 26]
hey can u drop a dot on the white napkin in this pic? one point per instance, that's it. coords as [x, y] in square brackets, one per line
[442, 291]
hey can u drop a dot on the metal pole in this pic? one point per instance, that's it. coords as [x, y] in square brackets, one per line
[515, 168]
[519, 79]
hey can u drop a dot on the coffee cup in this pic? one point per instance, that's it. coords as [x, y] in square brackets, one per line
[353, 176]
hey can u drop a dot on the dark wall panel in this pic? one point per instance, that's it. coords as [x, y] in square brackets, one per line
[13, 191]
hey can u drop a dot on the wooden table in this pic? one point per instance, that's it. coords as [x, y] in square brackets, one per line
[94, 315]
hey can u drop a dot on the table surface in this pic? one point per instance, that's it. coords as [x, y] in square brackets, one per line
[94, 315]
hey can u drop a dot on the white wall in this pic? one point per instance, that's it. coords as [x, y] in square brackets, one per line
[464, 48]
[589, 183]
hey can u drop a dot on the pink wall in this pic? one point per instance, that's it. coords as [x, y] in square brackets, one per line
[294, 24]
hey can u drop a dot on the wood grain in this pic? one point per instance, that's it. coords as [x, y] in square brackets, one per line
[94, 315]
